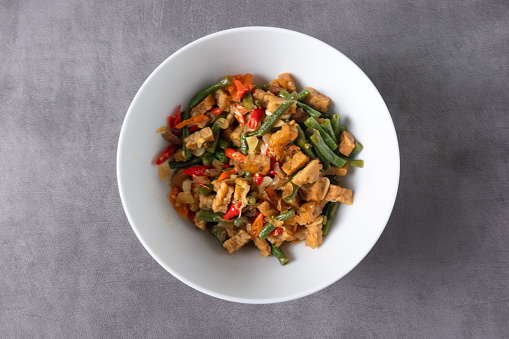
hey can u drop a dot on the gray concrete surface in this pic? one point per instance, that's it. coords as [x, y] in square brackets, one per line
[72, 267]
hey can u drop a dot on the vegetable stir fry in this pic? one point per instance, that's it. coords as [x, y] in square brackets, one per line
[258, 164]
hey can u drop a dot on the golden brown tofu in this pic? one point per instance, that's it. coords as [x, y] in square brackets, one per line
[203, 106]
[223, 100]
[201, 224]
[178, 178]
[235, 135]
[164, 170]
[274, 103]
[346, 144]
[337, 171]
[198, 138]
[285, 80]
[257, 164]
[206, 202]
[308, 212]
[263, 246]
[262, 96]
[267, 210]
[336, 193]
[223, 197]
[316, 100]
[295, 163]
[314, 233]
[317, 190]
[242, 188]
[308, 174]
[284, 136]
[236, 242]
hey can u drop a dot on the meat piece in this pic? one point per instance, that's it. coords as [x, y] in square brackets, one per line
[236, 242]
[274, 87]
[308, 174]
[262, 96]
[300, 115]
[337, 171]
[203, 106]
[316, 191]
[223, 197]
[336, 193]
[314, 233]
[206, 202]
[223, 100]
[257, 164]
[201, 224]
[267, 210]
[198, 138]
[172, 138]
[263, 246]
[295, 162]
[316, 100]
[285, 80]
[178, 178]
[242, 188]
[284, 136]
[308, 212]
[164, 171]
[235, 135]
[346, 144]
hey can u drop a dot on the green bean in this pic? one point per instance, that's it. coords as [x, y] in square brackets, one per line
[226, 81]
[251, 200]
[266, 230]
[185, 133]
[247, 174]
[285, 216]
[325, 163]
[240, 221]
[308, 109]
[271, 120]
[331, 212]
[311, 122]
[336, 125]
[221, 156]
[353, 163]
[279, 254]
[342, 128]
[210, 216]
[207, 158]
[205, 191]
[333, 180]
[219, 233]
[326, 124]
[302, 142]
[184, 164]
[216, 132]
[265, 87]
[223, 144]
[327, 115]
[303, 94]
[247, 100]
[243, 143]
[356, 150]
[289, 199]
[317, 140]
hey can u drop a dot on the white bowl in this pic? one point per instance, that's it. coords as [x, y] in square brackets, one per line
[192, 255]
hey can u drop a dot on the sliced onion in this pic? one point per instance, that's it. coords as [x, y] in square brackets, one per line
[198, 152]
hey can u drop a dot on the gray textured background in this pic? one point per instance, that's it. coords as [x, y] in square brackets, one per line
[70, 265]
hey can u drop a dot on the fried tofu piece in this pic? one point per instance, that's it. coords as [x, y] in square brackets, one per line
[205, 105]
[206, 202]
[285, 80]
[284, 136]
[267, 210]
[223, 197]
[263, 246]
[316, 100]
[236, 242]
[198, 138]
[308, 212]
[336, 193]
[164, 170]
[257, 164]
[223, 100]
[346, 144]
[294, 163]
[316, 191]
[235, 135]
[242, 188]
[201, 224]
[308, 174]
[337, 171]
[313, 234]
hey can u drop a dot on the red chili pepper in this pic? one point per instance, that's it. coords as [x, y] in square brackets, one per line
[256, 116]
[258, 178]
[277, 231]
[233, 211]
[198, 170]
[240, 118]
[191, 216]
[216, 111]
[177, 116]
[166, 154]
[171, 121]
[272, 163]
[233, 154]
[193, 128]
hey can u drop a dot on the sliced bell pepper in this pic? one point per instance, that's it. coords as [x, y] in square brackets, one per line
[166, 154]
[180, 208]
[198, 170]
[234, 210]
[256, 116]
[227, 174]
[194, 120]
[257, 226]
[233, 154]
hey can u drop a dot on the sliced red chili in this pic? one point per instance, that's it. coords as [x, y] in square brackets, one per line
[166, 154]
[171, 122]
[177, 116]
[234, 210]
[233, 154]
[258, 179]
[198, 170]
[276, 231]
[193, 128]
[256, 116]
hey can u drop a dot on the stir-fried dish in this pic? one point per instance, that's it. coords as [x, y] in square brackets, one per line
[258, 164]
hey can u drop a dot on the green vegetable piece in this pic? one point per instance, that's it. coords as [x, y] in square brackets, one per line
[221, 156]
[243, 143]
[210, 216]
[303, 144]
[240, 221]
[266, 230]
[289, 199]
[279, 254]
[226, 81]
[265, 87]
[205, 191]
[271, 120]
[285, 216]
[331, 212]
[303, 94]
[216, 131]
[223, 144]
[336, 125]
[308, 109]
[335, 160]
[185, 133]
[327, 126]
[207, 158]
[247, 174]
[358, 148]
[185, 164]
[251, 200]
[333, 180]
[354, 163]
[219, 233]
[247, 100]
[311, 122]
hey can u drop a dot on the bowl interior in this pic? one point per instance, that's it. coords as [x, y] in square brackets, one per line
[192, 255]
